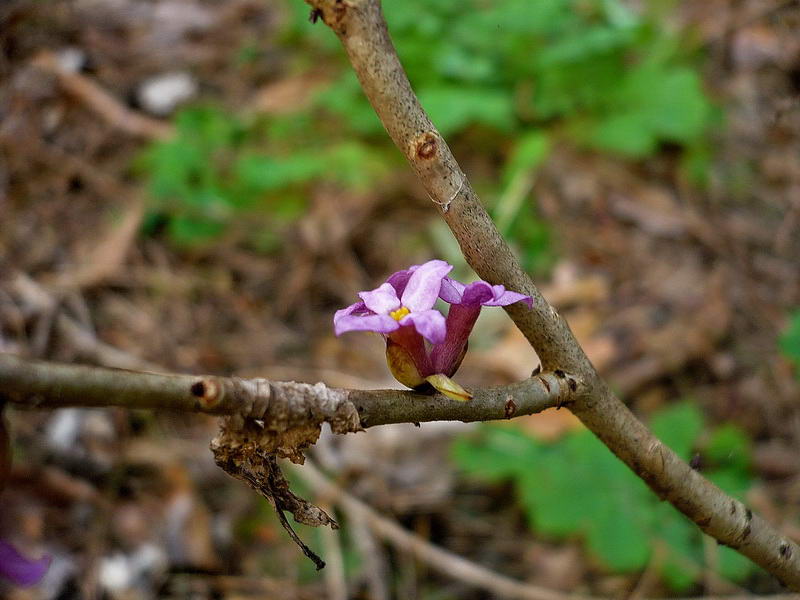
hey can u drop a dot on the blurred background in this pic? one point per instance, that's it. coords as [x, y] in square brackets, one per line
[196, 186]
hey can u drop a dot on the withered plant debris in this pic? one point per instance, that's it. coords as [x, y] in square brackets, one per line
[247, 450]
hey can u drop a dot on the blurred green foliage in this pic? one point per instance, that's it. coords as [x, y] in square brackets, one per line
[516, 76]
[790, 340]
[219, 167]
[576, 486]
[614, 79]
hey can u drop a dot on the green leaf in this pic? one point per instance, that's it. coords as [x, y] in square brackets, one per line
[190, 231]
[654, 103]
[625, 134]
[576, 486]
[670, 101]
[268, 173]
[530, 151]
[678, 427]
[730, 447]
[495, 453]
[790, 340]
[453, 108]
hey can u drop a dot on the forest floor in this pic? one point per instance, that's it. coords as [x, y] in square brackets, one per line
[675, 293]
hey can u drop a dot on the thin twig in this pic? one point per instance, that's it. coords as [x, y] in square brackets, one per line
[335, 579]
[81, 341]
[111, 110]
[361, 28]
[373, 558]
[437, 558]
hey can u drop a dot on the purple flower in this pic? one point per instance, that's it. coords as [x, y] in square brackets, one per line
[402, 310]
[466, 302]
[18, 569]
[479, 293]
[406, 299]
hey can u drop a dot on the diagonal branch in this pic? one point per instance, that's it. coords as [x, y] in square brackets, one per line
[361, 28]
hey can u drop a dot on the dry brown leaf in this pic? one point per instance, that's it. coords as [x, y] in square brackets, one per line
[105, 258]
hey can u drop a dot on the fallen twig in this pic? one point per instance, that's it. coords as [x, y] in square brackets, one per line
[111, 110]
[449, 564]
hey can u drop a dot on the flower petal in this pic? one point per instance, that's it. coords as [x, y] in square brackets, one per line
[428, 323]
[20, 570]
[382, 300]
[359, 308]
[478, 293]
[451, 291]
[503, 297]
[377, 323]
[400, 279]
[424, 284]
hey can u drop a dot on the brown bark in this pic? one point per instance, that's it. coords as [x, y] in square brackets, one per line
[280, 405]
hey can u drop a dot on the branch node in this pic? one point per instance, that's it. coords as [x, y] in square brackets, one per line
[425, 146]
[208, 391]
[785, 550]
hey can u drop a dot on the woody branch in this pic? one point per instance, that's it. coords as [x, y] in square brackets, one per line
[279, 404]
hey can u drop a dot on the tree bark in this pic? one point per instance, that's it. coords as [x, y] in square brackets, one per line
[39, 384]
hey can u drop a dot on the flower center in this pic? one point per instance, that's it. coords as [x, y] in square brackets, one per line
[399, 313]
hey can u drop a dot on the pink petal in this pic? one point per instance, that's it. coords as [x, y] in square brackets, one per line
[377, 323]
[503, 297]
[399, 280]
[478, 293]
[381, 300]
[428, 323]
[424, 284]
[451, 291]
[359, 308]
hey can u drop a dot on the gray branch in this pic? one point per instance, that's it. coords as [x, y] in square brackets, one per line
[360, 26]
[280, 405]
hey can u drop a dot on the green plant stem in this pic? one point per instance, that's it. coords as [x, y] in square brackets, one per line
[361, 28]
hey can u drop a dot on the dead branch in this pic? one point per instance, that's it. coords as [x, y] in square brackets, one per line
[361, 28]
[111, 110]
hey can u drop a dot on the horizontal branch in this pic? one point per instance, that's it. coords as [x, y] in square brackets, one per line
[38, 384]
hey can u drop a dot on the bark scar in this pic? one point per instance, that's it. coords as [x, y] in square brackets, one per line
[510, 408]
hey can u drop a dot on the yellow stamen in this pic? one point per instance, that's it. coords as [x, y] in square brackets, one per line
[399, 313]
